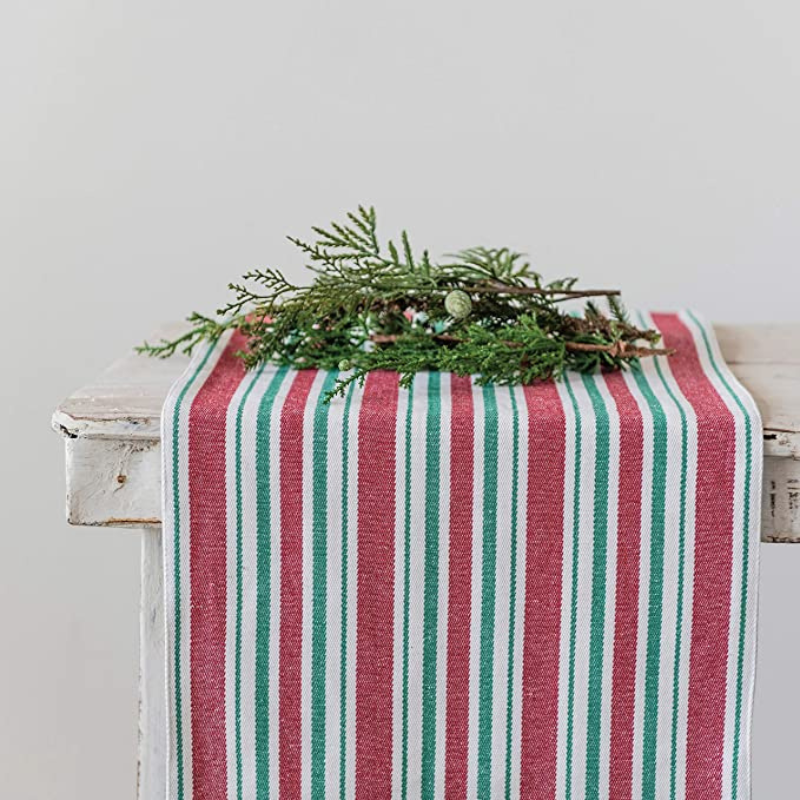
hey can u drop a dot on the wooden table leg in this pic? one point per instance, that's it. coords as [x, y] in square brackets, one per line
[152, 778]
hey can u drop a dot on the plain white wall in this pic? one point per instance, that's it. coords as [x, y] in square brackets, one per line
[151, 152]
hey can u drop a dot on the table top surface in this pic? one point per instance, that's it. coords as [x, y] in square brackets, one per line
[125, 400]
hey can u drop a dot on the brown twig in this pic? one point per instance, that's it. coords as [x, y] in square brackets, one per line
[391, 338]
[619, 348]
[496, 287]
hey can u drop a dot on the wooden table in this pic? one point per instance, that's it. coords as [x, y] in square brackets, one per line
[111, 430]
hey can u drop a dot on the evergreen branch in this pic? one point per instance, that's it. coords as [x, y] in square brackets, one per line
[483, 312]
[203, 329]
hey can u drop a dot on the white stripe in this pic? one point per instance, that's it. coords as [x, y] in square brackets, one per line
[585, 584]
[333, 620]
[399, 591]
[753, 568]
[476, 596]
[570, 425]
[754, 558]
[519, 629]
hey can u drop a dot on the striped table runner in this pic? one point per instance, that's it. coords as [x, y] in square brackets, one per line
[541, 592]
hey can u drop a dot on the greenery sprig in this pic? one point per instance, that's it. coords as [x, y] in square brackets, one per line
[481, 311]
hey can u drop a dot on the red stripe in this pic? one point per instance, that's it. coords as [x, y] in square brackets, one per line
[716, 453]
[374, 639]
[459, 582]
[207, 546]
[546, 449]
[291, 635]
[629, 527]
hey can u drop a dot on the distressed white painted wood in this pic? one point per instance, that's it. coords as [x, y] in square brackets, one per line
[152, 774]
[112, 436]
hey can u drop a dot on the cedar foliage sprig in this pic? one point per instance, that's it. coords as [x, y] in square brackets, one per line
[482, 311]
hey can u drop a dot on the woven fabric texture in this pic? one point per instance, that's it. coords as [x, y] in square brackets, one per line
[457, 591]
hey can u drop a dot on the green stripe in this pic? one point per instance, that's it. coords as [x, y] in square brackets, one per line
[237, 682]
[343, 643]
[681, 576]
[406, 588]
[748, 478]
[655, 600]
[431, 599]
[319, 600]
[573, 603]
[594, 733]
[264, 579]
[176, 556]
[488, 589]
[513, 583]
